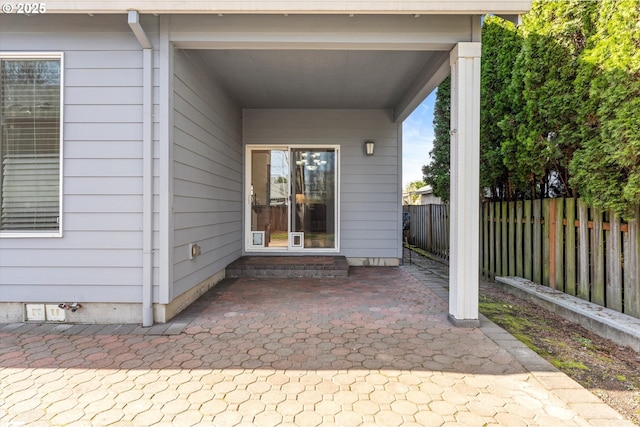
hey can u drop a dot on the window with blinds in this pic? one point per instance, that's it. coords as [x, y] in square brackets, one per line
[30, 144]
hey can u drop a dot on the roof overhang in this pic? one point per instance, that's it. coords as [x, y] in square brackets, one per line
[446, 7]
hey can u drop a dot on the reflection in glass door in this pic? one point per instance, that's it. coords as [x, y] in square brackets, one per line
[293, 198]
[313, 221]
[269, 198]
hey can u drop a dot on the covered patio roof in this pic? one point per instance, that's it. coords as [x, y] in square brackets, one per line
[317, 78]
[326, 61]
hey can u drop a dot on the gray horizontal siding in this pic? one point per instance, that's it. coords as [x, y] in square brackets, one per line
[117, 166]
[130, 222]
[69, 258]
[203, 206]
[105, 113]
[369, 186]
[99, 257]
[96, 291]
[101, 185]
[102, 96]
[98, 150]
[186, 164]
[68, 41]
[97, 131]
[105, 59]
[354, 134]
[114, 239]
[198, 173]
[185, 219]
[114, 203]
[207, 174]
[357, 225]
[111, 77]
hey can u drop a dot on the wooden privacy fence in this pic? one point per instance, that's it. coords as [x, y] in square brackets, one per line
[560, 243]
[563, 244]
[429, 229]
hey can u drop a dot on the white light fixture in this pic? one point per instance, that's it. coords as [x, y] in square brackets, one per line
[368, 147]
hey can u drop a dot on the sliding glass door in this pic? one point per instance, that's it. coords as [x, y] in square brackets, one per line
[293, 198]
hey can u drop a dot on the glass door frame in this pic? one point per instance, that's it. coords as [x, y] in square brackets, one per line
[247, 204]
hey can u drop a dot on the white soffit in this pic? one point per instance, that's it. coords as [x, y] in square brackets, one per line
[324, 61]
[316, 78]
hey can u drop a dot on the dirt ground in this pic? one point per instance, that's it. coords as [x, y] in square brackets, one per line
[600, 365]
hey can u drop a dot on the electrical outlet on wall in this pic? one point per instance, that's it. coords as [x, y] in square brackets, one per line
[35, 313]
[55, 313]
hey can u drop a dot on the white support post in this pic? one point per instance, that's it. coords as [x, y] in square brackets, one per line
[465, 183]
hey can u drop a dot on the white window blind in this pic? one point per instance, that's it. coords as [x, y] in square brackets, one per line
[30, 144]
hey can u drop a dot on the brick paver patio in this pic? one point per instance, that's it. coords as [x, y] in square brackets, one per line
[371, 349]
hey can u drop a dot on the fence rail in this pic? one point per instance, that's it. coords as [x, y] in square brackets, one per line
[560, 243]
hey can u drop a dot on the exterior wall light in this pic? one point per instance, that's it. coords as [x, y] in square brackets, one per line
[368, 147]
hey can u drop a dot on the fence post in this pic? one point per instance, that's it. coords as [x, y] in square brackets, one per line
[497, 213]
[583, 250]
[519, 243]
[550, 243]
[504, 218]
[553, 242]
[528, 228]
[614, 265]
[512, 237]
[447, 229]
[632, 267]
[597, 289]
[537, 241]
[484, 217]
[570, 247]
[559, 244]
[492, 241]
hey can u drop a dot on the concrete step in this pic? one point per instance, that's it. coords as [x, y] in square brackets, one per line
[289, 266]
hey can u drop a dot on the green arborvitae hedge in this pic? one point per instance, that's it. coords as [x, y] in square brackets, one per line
[560, 106]
[606, 169]
[500, 47]
[437, 173]
[543, 133]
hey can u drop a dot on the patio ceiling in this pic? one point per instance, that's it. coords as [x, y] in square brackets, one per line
[325, 61]
[317, 78]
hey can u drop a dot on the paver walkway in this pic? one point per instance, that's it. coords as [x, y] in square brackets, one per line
[372, 349]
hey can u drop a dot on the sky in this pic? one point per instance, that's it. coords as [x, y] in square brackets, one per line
[417, 135]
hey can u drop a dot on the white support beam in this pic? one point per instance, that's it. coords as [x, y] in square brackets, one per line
[465, 185]
[134, 23]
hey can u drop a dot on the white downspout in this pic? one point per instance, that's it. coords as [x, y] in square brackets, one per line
[147, 167]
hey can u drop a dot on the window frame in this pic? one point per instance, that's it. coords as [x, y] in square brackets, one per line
[36, 56]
